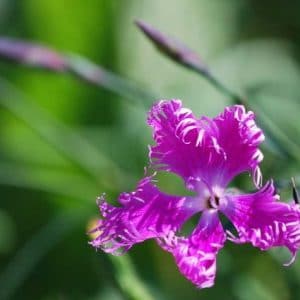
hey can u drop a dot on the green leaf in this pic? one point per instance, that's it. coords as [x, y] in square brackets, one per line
[57, 181]
[65, 140]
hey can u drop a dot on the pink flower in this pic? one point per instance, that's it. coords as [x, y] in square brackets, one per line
[207, 154]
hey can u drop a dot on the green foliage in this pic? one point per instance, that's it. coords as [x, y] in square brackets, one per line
[63, 142]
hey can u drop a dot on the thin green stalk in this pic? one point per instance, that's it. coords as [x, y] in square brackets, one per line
[41, 57]
[85, 70]
[291, 148]
[57, 181]
[128, 280]
[183, 55]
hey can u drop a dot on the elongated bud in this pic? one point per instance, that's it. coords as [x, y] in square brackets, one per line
[31, 54]
[173, 48]
[184, 56]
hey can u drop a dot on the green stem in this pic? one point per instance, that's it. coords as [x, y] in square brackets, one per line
[128, 280]
[96, 75]
[183, 55]
[37, 56]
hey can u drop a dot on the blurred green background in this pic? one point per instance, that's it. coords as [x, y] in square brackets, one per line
[63, 142]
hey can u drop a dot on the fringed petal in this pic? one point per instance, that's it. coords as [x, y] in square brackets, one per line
[145, 213]
[239, 137]
[211, 151]
[196, 255]
[263, 221]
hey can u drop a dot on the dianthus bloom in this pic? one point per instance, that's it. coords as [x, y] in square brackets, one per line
[207, 154]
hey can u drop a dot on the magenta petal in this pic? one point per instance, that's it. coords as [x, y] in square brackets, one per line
[175, 131]
[209, 150]
[196, 254]
[145, 213]
[239, 137]
[263, 221]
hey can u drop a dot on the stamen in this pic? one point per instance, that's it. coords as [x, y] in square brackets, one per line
[295, 192]
[213, 202]
[209, 203]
